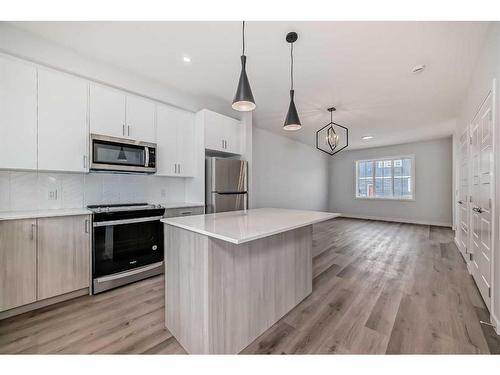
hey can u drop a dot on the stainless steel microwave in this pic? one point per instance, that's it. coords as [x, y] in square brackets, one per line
[121, 155]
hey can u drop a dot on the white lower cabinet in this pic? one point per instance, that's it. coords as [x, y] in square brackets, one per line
[62, 122]
[175, 140]
[18, 114]
[43, 258]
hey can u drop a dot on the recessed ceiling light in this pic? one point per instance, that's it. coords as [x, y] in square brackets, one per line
[366, 137]
[186, 59]
[418, 68]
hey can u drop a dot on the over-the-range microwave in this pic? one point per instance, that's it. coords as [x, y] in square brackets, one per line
[121, 155]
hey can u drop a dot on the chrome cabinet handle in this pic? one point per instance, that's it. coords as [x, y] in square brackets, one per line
[123, 129]
[128, 131]
[84, 161]
[222, 143]
[186, 213]
[33, 228]
[87, 226]
[179, 168]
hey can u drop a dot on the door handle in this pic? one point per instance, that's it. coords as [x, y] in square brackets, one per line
[477, 209]
[87, 226]
[33, 229]
[179, 168]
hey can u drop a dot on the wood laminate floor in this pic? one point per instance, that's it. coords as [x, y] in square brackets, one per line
[378, 288]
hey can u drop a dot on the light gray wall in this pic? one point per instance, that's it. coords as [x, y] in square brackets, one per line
[433, 184]
[288, 174]
[486, 76]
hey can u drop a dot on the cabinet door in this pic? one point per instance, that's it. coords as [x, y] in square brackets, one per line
[140, 119]
[63, 255]
[107, 111]
[166, 140]
[18, 129]
[62, 122]
[185, 142]
[232, 136]
[214, 131]
[222, 133]
[17, 263]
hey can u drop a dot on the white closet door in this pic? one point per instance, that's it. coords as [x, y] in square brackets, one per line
[463, 195]
[18, 129]
[62, 122]
[481, 205]
[107, 111]
[140, 119]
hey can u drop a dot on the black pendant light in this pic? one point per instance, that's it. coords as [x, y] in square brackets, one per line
[243, 99]
[292, 121]
[332, 138]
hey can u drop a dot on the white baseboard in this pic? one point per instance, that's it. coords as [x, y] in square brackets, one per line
[399, 220]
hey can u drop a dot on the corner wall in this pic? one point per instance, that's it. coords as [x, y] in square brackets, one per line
[433, 184]
[288, 174]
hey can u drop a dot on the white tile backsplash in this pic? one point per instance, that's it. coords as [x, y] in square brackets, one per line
[73, 190]
[4, 191]
[21, 191]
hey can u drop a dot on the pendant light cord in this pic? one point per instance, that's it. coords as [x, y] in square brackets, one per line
[291, 70]
[243, 32]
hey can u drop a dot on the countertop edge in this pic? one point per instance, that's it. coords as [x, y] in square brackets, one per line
[20, 215]
[249, 239]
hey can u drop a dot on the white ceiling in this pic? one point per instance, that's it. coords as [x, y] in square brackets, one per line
[362, 68]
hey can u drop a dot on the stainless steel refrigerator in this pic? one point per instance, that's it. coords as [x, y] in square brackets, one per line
[225, 185]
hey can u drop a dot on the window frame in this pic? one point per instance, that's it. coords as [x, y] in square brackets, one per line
[392, 158]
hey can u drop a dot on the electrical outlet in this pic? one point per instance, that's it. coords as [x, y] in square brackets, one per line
[163, 193]
[52, 195]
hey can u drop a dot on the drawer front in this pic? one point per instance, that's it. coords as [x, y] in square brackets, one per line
[184, 211]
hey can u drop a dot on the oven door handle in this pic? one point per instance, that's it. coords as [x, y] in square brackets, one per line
[146, 149]
[123, 274]
[126, 221]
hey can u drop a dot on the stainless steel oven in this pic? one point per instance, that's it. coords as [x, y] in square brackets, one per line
[127, 244]
[121, 155]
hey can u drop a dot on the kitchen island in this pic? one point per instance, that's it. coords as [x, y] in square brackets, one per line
[230, 276]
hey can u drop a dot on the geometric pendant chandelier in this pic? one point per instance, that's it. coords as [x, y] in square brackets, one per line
[332, 138]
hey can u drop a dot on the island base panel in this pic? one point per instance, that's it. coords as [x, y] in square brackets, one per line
[221, 296]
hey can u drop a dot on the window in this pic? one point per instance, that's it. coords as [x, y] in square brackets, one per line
[386, 178]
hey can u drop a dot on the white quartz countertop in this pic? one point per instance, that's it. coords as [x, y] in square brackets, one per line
[182, 204]
[16, 215]
[244, 226]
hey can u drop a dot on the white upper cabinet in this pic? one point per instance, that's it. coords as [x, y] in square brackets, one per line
[107, 111]
[62, 122]
[175, 140]
[118, 114]
[18, 114]
[140, 119]
[222, 133]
